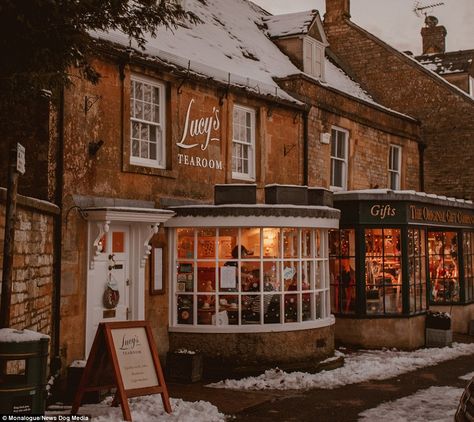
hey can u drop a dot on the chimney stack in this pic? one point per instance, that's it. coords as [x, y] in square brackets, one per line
[337, 10]
[434, 36]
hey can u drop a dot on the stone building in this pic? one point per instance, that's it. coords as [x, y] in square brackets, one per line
[401, 83]
[196, 186]
[457, 67]
[144, 150]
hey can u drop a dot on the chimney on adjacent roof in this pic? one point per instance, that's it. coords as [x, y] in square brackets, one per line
[337, 10]
[434, 36]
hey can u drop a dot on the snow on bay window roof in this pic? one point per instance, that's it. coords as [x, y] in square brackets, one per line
[232, 46]
[290, 24]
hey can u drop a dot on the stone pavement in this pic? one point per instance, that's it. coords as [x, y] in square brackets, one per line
[337, 405]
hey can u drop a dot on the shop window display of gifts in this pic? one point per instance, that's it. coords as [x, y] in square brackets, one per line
[438, 329]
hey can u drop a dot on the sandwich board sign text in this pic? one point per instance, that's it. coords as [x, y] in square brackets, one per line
[123, 356]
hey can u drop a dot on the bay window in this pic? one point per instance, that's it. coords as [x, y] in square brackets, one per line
[242, 278]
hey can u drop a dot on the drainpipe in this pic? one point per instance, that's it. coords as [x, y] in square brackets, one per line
[55, 362]
[421, 156]
[306, 146]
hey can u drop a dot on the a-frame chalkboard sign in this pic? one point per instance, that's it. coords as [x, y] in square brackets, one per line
[123, 356]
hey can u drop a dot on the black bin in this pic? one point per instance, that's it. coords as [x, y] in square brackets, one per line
[23, 363]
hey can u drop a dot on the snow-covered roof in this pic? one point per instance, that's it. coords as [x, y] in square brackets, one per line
[232, 46]
[290, 23]
[451, 62]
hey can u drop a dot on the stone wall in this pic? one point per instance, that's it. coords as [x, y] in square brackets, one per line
[371, 129]
[32, 283]
[399, 82]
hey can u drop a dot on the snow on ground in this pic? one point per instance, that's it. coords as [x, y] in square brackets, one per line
[435, 404]
[467, 377]
[148, 409]
[358, 367]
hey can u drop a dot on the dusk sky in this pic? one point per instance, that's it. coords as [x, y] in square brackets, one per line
[394, 21]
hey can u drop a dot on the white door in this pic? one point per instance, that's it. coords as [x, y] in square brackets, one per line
[108, 285]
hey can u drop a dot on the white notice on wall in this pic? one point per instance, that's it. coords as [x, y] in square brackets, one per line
[228, 277]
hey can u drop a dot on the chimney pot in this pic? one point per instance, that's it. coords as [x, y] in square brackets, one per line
[337, 10]
[434, 36]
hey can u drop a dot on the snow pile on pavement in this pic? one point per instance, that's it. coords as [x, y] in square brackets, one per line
[149, 409]
[436, 404]
[467, 377]
[358, 367]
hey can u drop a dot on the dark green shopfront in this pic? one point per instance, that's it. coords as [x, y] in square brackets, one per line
[396, 255]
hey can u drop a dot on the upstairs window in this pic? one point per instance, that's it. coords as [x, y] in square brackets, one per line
[339, 154]
[394, 167]
[313, 52]
[147, 123]
[243, 143]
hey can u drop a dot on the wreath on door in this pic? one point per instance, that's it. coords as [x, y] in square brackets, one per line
[111, 296]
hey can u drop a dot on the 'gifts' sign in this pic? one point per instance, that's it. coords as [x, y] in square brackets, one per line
[198, 133]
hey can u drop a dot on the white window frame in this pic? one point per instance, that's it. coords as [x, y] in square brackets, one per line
[471, 86]
[324, 318]
[160, 161]
[344, 160]
[250, 176]
[315, 50]
[397, 169]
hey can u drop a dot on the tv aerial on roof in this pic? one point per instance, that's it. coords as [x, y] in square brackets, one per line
[421, 10]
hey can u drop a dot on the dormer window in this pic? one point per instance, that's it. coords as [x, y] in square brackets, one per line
[313, 57]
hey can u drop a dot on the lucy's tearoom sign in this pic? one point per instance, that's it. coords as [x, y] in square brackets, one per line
[197, 134]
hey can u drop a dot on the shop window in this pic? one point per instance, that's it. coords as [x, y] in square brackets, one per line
[147, 123]
[342, 271]
[339, 155]
[443, 267]
[383, 271]
[417, 269]
[243, 143]
[313, 58]
[394, 167]
[468, 249]
[250, 276]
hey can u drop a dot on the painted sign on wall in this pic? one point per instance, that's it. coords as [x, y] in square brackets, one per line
[197, 134]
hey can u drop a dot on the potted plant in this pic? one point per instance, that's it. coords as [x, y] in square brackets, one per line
[438, 329]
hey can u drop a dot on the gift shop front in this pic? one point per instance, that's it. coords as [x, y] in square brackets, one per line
[250, 282]
[397, 254]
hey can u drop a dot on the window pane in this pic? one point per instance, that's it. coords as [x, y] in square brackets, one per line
[251, 310]
[185, 309]
[228, 311]
[272, 309]
[206, 310]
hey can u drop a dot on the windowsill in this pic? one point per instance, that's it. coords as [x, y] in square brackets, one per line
[337, 189]
[254, 328]
[243, 177]
[151, 171]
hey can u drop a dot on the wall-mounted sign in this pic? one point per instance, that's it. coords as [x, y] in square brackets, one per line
[197, 134]
[441, 215]
[20, 158]
[383, 211]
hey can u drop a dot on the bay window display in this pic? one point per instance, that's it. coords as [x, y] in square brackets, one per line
[443, 266]
[468, 249]
[250, 276]
[417, 269]
[383, 273]
[342, 271]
